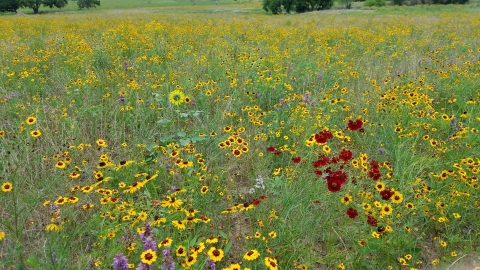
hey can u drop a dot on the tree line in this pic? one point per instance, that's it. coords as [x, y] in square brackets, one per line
[14, 5]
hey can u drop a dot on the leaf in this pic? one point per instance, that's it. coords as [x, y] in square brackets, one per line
[223, 234]
[164, 121]
[150, 147]
[32, 262]
[182, 134]
[183, 115]
[184, 142]
[227, 248]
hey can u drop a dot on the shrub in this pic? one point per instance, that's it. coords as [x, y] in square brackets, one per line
[377, 3]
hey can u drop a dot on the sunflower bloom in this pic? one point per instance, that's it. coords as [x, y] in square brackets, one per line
[176, 97]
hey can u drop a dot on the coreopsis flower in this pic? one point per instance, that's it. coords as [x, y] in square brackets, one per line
[215, 254]
[352, 213]
[148, 257]
[355, 125]
[7, 187]
[251, 255]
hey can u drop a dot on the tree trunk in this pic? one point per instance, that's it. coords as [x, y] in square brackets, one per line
[35, 10]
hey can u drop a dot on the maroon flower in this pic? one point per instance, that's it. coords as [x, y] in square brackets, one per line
[255, 201]
[352, 213]
[271, 149]
[296, 159]
[334, 185]
[355, 125]
[345, 155]
[374, 174]
[386, 194]
[374, 164]
[323, 136]
[372, 221]
[322, 161]
[318, 172]
[339, 176]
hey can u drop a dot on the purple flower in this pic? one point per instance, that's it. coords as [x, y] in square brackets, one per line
[122, 98]
[120, 262]
[306, 98]
[167, 262]
[381, 151]
[54, 257]
[125, 65]
[209, 264]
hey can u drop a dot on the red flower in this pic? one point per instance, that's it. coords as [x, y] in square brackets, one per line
[374, 174]
[339, 176]
[372, 221]
[318, 172]
[323, 136]
[352, 213]
[322, 161]
[386, 194]
[255, 201]
[334, 185]
[374, 164]
[277, 153]
[355, 125]
[296, 159]
[345, 155]
[272, 149]
[263, 197]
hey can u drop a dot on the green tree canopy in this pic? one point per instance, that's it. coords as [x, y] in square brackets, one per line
[9, 5]
[300, 6]
[35, 4]
[88, 3]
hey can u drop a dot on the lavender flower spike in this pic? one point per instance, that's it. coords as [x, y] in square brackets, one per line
[120, 262]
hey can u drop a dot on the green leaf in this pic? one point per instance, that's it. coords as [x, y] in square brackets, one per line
[227, 248]
[150, 147]
[182, 134]
[183, 115]
[164, 121]
[223, 234]
[184, 142]
[32, 262]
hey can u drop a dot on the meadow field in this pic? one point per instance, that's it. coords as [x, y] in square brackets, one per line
[221, 137]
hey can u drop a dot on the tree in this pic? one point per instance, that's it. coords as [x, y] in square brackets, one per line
[35, 4]
[300, 6]
[88, 3]
[9, 5]
[275, 6]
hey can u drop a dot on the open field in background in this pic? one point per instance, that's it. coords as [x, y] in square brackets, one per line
[200, 136]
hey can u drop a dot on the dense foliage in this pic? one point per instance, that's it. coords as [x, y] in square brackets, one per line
[299, 6]
[9, 5]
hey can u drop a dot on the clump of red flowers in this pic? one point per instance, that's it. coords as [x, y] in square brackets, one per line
[296, 159]
[323, 136]
[374, 172]
[273, 149]
[386, 194]
[335, 180]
